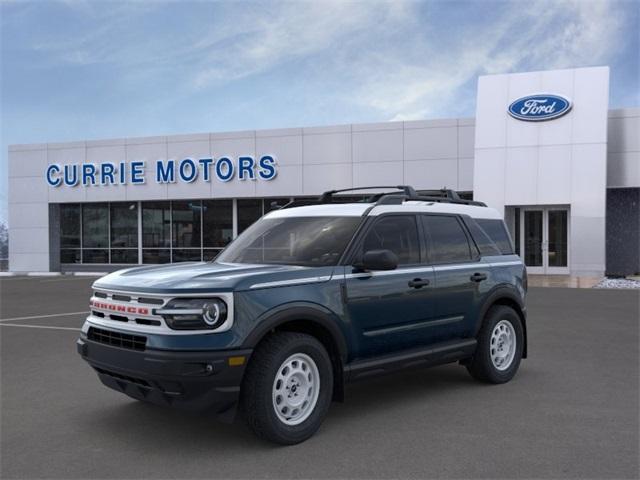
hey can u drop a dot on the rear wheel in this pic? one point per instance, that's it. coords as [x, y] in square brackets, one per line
[500, 344]
[287, 388]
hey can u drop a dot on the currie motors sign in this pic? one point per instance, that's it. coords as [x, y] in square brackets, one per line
[188, 170]
[540, 107]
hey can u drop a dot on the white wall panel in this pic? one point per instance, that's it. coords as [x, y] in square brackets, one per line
[623, 169]
[491, 122]
[28, 163]
[432, 174]
[591, 105]
[466, 141]
[554, 175]
[465, 174]
[327, 148]
[28, 262]
[431, 143]
[521, 176]
[377, 173]
[488, 175]
[588, 180]
[377, 146]
[286, 149]
[624, 134]
[29, 240]
[319, 178]
[27, 190]
[29, 215]
[287, 182]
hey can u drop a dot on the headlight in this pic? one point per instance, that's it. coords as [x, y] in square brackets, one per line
[194, 313]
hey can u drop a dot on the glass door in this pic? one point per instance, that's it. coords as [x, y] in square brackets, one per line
[533, 238]
[544, 239]
[557, 245]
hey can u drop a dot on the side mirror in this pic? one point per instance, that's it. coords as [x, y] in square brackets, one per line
[378, 260]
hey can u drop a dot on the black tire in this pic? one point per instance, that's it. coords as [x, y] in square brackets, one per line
[480, 366]
[256, 398]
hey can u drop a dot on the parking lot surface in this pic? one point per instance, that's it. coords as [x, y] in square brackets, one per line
[571, 411]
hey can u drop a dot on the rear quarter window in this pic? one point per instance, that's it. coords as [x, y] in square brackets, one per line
[497, 232]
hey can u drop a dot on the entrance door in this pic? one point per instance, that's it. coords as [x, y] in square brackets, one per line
[544, 239]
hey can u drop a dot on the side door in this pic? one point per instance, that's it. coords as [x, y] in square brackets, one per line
[461, 278]
[389, 310]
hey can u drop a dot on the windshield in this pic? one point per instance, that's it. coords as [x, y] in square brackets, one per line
[305, 241]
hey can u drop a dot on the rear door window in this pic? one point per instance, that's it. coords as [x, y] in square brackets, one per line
[447, 241]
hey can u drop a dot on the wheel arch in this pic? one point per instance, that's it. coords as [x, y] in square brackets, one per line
[508, 297]
[313, 320]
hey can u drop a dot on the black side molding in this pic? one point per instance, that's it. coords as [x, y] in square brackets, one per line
[445, 352]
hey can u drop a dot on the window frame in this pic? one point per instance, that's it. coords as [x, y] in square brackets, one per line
[474, 253]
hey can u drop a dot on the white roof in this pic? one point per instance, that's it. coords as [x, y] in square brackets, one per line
[358, 209]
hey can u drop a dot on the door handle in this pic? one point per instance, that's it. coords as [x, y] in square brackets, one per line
[478, 277]
[418, 283]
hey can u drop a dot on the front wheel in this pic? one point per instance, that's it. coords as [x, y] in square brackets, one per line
[287, 388]
[500, 344]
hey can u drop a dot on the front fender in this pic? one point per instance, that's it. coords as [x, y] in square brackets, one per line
[293, 311]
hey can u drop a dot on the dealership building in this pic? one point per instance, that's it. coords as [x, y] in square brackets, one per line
[544, 149]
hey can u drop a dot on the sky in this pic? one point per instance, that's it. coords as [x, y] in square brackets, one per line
[78, 70]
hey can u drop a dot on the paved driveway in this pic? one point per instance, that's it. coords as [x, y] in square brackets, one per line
[572, 410]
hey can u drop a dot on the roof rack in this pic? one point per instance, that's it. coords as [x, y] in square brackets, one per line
[400, 194]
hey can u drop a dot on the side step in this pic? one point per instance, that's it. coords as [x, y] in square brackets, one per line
[439, 353]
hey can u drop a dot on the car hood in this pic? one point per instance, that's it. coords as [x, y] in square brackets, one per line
[195, 277]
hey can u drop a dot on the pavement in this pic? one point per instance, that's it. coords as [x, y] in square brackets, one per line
[571, 412]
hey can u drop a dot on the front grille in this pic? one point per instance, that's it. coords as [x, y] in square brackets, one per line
[152, 301]
[117, 339]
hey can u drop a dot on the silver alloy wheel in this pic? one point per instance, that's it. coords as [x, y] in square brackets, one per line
[295, 389]
[503, 345]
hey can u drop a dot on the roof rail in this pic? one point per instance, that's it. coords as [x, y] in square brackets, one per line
[401, 193]
[327, 196]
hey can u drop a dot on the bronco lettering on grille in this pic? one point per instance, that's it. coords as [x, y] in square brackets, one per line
[118, 308]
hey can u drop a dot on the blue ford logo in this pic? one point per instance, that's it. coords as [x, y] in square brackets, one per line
[536, 108]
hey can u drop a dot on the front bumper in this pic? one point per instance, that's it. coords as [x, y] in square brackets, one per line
[190, 380]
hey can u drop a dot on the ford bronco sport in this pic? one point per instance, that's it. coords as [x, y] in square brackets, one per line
[309, 298]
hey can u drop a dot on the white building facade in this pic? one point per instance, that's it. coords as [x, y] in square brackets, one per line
[544, 149]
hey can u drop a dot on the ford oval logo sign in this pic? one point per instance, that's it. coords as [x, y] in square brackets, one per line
[536, 108]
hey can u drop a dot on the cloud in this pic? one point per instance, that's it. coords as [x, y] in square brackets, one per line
[538, 35]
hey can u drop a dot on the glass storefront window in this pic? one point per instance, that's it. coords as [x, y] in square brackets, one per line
[95, 225]
[249, 210]
[126, 255]
[209, 254]
[70, 226]
[186, 224]
[217, 222]
[186, 255]
[70, 255]
[95, 256]
[124, 225]
[156, 255]
[171, 231]
[156, 224]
